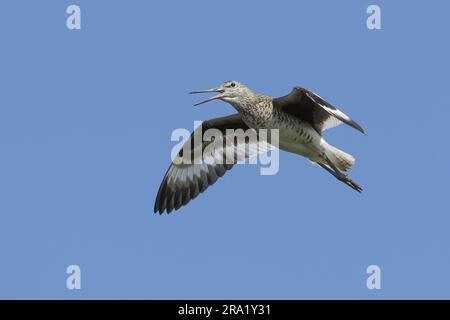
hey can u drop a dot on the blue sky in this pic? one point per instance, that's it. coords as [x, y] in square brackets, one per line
[85, 124]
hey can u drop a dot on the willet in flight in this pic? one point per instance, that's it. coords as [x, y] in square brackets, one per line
[300, 117]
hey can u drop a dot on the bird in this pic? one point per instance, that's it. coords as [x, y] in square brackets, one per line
[300, 117]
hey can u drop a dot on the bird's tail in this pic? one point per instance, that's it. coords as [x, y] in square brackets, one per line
[343, 161]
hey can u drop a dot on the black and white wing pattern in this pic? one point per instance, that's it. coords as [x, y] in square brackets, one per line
[309, 107]
[207, 160]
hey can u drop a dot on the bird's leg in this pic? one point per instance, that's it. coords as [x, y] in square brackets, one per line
[331, 168]
[327, 168]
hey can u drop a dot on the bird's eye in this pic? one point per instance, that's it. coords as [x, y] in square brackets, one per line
[232, 84]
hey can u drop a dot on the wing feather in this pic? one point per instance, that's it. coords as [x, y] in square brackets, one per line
[310, 107]
[184, 181]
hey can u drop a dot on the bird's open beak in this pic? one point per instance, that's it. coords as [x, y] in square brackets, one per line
[212, 98]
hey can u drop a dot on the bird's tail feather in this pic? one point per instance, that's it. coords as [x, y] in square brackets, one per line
[343, 161]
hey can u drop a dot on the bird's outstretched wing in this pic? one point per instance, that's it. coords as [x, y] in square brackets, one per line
[207, 161]
[309, 107]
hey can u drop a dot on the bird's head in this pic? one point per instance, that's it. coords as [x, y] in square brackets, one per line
[230, 91]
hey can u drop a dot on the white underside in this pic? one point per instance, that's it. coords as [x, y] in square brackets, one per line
[316, 151]
[299, 141]
[291, 141]
[308, 143]
[301, 138]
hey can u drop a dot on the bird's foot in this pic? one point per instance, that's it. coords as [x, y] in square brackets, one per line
[352, 184]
